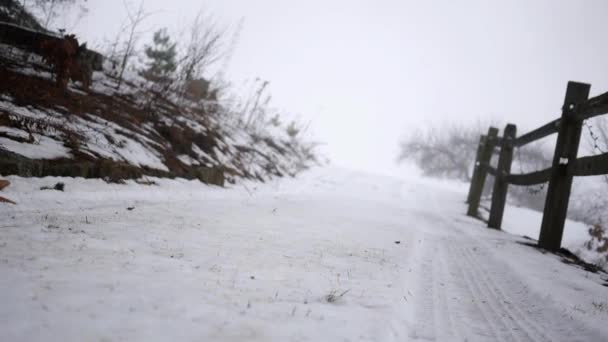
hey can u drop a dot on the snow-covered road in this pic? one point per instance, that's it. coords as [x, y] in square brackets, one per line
[331, 256]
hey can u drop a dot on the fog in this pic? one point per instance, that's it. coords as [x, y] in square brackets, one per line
[365, 73]
[149, 194]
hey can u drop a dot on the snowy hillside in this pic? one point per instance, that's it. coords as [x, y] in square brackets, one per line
[331, 256]
[133, 129]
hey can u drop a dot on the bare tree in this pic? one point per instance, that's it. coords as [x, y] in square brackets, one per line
[255, 109]
[447, 151]
[204, 47]
[589, 204]
[597, 137]
[134, 20]
[49, 10]
[603, 131]
[250, 105]
[229, 52]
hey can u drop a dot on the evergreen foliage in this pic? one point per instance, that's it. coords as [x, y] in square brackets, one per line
[161, 57]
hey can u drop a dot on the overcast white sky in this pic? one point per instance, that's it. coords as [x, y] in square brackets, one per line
[367, 72]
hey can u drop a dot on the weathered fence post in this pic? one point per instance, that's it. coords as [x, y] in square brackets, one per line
[560, 183]
[499, 194]
[476, 166]
[484, 155]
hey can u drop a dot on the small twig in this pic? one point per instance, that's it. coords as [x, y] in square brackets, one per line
[332, 297]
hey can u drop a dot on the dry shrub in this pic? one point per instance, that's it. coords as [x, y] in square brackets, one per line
[335, 296]
[599, 239]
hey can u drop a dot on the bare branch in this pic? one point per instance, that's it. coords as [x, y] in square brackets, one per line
[134, 21]
[204, 47]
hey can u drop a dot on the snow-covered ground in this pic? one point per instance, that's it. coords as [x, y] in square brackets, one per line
[333, 255]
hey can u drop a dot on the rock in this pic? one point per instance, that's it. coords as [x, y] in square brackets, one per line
[209, 175]
[59, 187]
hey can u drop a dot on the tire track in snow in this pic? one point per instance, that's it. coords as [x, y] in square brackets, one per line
[511, 304]
[509, 311]
[511, 326]
[534, 311]
[434, 318]
[493, 327]
[446, 320]
[424, 315]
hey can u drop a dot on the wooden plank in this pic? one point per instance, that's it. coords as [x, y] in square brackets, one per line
[532, 178]
[593, 107]
[499, 194]
[539, 133]
[560, 183]
[589, 166]
[477, 183]
[491, 170]
[596, 111]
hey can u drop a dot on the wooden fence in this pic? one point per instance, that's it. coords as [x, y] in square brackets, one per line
[577, 108]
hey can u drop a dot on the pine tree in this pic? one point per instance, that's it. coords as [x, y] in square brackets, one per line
[161, 57]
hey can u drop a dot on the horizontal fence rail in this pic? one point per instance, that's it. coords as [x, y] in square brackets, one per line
[577, 108]
[590, 166]
[538, 133]
[532, 178]
[525, 179]
[595, 106]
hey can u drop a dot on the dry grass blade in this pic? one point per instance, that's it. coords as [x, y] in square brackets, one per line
[333, 296]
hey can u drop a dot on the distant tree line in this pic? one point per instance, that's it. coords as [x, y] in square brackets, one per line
[448, 151]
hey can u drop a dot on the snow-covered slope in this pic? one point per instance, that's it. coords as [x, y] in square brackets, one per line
[333, 255]
[160, 135]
